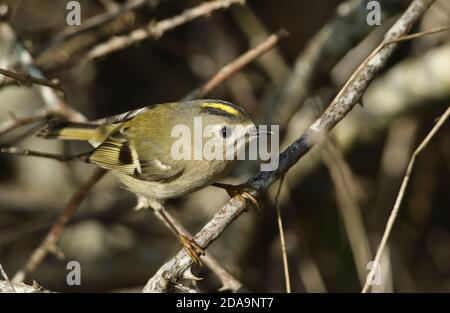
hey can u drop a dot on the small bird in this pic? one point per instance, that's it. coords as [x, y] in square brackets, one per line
[137, 147]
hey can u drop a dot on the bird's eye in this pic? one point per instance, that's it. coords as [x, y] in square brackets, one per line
[226, 131]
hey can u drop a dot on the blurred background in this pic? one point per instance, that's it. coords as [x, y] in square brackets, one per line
[335, 202]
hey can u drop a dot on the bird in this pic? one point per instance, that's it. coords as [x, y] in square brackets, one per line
[138, 148]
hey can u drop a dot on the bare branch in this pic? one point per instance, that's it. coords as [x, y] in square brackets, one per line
[338, 109]
[16, 122]
[5, 287]
[155, 30]
[98, 20]
[401, 193]
[237, 64]
[25, 152]
[27, 80]
[52, 237]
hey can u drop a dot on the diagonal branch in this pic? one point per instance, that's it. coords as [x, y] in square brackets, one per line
[337, 110]
[237, 64]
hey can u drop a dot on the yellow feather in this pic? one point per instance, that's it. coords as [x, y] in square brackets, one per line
[221, 106]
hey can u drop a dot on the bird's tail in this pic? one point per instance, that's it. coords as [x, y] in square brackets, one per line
[69, 131]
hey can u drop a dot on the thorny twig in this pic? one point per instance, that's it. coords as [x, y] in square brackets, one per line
[398, 200]
[337, 110]
[52, 237]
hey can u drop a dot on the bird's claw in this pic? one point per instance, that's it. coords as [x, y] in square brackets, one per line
[241, 191]
[192, 248]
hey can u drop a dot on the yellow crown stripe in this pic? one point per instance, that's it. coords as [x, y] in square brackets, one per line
[221, 106]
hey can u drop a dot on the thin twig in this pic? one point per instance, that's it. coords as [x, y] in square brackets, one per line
[97, 20]
[52, 237]
[26, 152]
[16, 122]
[398, 200]
[338, 109]
[282, 240]
[157, 29]
[237, 64]
[5, 276]
[27, 80]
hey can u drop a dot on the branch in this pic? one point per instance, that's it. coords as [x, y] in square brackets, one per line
[22, 288]
[398, 200]
[337, 110]
[27, 80]
[16, 122]
[52, 237]
[425, 84]
[97, 20]
[155, 30]
[237, 64]
[25, 152]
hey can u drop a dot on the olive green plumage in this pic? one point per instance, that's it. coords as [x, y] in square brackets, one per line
[136, 146]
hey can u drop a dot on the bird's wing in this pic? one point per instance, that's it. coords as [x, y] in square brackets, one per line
[120, 118]
[146, 161]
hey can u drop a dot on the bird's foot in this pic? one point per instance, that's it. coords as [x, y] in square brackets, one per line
[192, 248]
[241, 190]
